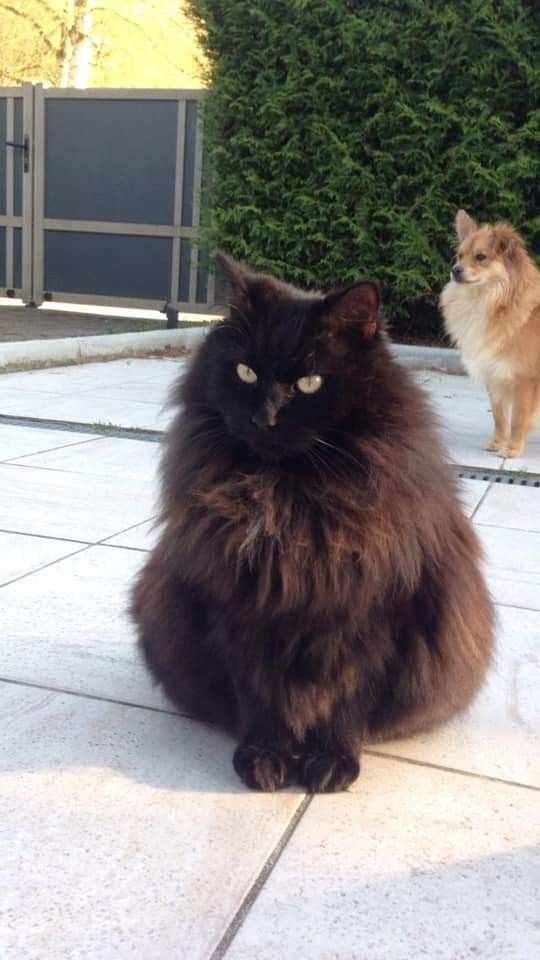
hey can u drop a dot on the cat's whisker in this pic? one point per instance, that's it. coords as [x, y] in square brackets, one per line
[216, 432]
[209, 434]
[321, 462]
[339, 450]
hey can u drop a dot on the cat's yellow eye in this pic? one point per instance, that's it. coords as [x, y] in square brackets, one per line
[310, 384]
[246, 374]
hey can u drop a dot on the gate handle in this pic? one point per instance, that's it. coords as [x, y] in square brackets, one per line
[25, 147]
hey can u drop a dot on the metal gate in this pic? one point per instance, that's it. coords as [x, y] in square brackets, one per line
[102, 204]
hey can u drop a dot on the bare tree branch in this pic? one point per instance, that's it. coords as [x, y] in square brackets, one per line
[37, 27]
[51, 12]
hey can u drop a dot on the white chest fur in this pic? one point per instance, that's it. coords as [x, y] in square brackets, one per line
[467, 314]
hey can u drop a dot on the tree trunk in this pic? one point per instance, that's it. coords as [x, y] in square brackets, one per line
[76, 52]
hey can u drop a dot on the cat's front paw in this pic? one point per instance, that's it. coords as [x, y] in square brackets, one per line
[262, 768]
[328, 772]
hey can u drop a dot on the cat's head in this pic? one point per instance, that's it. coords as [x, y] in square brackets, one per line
[285, 366]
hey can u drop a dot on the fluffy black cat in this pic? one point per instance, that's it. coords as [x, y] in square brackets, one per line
[316, 585]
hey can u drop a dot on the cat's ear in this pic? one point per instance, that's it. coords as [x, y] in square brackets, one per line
[465, 225]
[236, 280]
[358, 304]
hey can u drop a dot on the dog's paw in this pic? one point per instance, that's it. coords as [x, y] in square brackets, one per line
[495, 445]
[510, 452]
[262, 768]
[328, 773]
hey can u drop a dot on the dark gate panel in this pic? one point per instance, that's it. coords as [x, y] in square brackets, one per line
[117, 266]
[122, 160]
[117, 198]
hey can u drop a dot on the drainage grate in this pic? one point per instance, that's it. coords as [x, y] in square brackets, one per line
[500, 476]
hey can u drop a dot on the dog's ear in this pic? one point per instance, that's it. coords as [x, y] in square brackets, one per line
[465, 225]
[507, 241]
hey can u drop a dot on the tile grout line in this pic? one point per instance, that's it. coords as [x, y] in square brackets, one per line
[84, 545]
[103, 541]
[51, 563]
[82, 695]
[256, 887]
[462, 773]
[153, 435]
[497, 526]
[88, 543]
[481, 500]
[46, 536]
[100, 698]
[65, 470]
[63, 446]
[121, 546]
[514, 606]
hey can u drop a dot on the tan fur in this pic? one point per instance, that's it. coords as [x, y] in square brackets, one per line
[494, 319]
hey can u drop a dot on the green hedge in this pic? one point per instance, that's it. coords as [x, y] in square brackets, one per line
[344, 134]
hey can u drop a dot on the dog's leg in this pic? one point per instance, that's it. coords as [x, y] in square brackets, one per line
[499, 409]
[524, 403]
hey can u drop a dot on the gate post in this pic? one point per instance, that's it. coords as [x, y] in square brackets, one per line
[172, 317]
[28, 198]
[38, 197]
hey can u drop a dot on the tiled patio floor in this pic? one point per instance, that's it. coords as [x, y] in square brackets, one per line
[125, 832]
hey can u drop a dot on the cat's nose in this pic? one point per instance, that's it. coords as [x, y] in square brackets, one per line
[262, 419]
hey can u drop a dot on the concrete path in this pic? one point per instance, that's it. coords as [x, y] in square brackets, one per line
[125, 832]
[18, 322]
[134, 393]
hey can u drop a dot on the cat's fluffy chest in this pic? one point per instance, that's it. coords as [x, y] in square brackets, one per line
[276, 536]
[278, 533]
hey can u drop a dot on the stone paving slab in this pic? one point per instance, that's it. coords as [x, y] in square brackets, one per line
[55, 503]
[499, 736]
[412, 863]
[512, 563]
[519, 511]
[21, 554]
[124, 393]
[129, 833]
[16, 441]
[104, 457]
[67, 627]
[93, 377]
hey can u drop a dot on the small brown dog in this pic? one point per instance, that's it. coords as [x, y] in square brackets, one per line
[491, 308]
